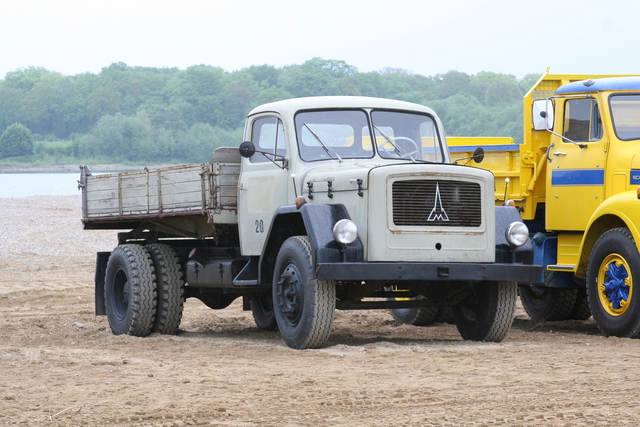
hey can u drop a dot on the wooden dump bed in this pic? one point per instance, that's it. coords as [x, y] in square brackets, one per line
[194, 189]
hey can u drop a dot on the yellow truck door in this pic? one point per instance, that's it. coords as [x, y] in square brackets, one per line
[576, 168]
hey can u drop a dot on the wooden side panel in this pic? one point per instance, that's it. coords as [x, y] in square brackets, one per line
[161, 191]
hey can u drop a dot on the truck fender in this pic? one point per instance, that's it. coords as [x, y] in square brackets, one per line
[619, 210]
[315, 221]
[505, 215]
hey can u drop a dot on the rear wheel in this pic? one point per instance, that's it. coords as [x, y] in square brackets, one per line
[614, 265]
[581, 310]
[445, 315]
[417, 316]
[130, 291]
[487, 313]
[262, 310]
[303, 306]
[546, 303]
[414, 316]
[170, 288]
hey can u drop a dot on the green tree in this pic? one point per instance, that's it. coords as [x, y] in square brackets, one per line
[452, 83]
[24, 79]
[528, 81]
[313, 78]
[16, 140]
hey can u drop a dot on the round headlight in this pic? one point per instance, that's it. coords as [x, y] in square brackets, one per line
[345, 232]
[517, 234]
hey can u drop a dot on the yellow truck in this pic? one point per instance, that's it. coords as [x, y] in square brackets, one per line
[576, 181]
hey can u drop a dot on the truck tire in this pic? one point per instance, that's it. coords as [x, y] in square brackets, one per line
[304, 307]
[614, 264]
[414, 316]
[445, 315]
[262, 310]
[581, 310]
[486, 314]
[130, 291]
[170, 288]
[548, 304]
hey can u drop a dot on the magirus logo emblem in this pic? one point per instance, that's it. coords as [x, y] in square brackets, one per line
[438, 213]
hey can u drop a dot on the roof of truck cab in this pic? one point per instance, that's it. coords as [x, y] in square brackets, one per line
[290, 106]
[596, 85]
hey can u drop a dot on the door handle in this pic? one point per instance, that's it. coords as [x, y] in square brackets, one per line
[548, 150]
[559, 153]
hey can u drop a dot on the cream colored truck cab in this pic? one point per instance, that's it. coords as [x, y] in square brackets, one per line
[350, 202]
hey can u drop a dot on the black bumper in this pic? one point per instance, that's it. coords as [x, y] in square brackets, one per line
[399, 271]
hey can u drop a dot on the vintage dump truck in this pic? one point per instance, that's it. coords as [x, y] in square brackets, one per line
[576, 181]
[330, 203]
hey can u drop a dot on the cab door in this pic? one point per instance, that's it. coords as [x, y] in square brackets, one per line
[264, 183]
[576, 168]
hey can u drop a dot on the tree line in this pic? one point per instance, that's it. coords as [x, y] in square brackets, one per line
[145, 114]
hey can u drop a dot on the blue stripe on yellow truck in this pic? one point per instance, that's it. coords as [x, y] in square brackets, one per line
[577, 177]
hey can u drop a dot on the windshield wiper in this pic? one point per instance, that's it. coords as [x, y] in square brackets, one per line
[328, 149]
[396, 147]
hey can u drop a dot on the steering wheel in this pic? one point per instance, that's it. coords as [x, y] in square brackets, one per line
[400, 152]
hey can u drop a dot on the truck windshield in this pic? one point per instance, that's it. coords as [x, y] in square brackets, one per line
[404, 135]
[346, 134]
[333, 134]
[625, 113]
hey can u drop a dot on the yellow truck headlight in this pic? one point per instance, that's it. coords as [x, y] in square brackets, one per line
[517, 234]
[345, 232]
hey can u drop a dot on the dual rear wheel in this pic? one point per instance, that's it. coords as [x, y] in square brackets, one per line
[143, 290]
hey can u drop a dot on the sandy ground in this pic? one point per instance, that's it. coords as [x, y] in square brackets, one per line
[60, 364]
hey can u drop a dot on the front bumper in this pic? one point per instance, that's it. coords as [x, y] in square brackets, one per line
[419, 271]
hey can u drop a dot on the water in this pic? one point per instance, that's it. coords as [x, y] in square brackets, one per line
[39, 184]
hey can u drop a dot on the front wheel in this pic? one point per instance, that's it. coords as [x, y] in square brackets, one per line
[303, 306]
[613, 265]
[130, 291]
[487, 313]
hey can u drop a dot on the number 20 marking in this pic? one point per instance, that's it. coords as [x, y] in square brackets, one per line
[259, 226]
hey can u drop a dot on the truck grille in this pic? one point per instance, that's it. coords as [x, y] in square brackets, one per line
[437, 203]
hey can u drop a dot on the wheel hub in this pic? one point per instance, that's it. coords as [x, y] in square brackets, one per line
[290, 293]
[615, 285]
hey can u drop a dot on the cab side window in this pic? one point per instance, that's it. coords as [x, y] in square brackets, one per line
[267, 134]
[582, 121]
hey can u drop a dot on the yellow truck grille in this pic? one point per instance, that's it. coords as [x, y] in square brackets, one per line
[437, 203]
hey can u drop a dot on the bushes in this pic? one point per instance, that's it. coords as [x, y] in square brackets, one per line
[16, 140]
[167, 115]
[125, 139]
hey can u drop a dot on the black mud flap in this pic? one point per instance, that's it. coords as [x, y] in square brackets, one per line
[101, 268]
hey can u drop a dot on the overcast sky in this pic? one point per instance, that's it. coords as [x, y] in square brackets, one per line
[424, 36]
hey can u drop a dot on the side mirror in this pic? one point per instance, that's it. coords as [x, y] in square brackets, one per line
[542, 114]
[478, 155]
[247, 149]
